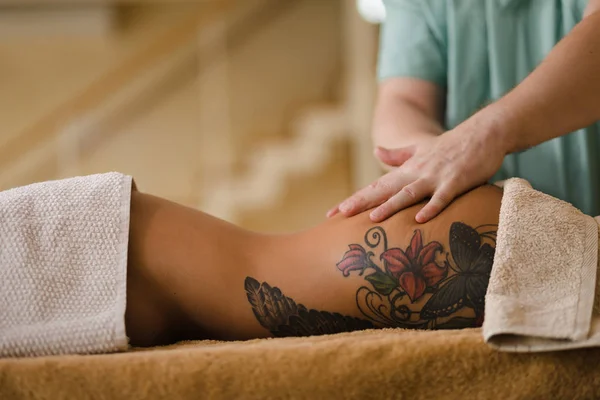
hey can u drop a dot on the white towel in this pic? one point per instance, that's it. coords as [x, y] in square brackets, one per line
[63, 264]
[541, 291]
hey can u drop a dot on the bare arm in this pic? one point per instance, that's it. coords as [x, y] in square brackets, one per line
[592, 7]
[561, 95]
[408, 111]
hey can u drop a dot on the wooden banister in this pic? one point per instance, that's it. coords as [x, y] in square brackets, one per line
[45, 129]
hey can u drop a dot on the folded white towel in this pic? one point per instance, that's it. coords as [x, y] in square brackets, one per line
[63, 265]
[541, 291]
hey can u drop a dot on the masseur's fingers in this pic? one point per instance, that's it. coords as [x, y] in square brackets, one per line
[335, 210]
[406, 197]
[378, 192]
[395, 157]
[374, 194]
[439, 201]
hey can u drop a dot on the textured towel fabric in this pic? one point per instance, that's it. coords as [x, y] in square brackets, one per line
[541, 291]
[63, 264]
[384, 364]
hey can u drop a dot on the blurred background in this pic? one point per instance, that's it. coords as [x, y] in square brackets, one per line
[255, 111]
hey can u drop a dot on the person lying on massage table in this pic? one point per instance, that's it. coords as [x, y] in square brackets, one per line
[192, 276]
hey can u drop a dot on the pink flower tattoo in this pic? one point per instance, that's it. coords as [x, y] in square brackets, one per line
[415, 268]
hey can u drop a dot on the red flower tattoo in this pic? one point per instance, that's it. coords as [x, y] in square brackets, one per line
[355, 259]
[415, 268]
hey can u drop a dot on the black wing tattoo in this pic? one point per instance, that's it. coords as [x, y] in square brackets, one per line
[283, 317]
[271, 308]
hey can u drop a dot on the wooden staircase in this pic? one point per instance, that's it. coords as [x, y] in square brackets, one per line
[317, 135]
[323, 137]
[263, 183]
[81, 123]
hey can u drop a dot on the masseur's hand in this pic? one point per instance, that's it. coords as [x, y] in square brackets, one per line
[441, 168]
[561, 95]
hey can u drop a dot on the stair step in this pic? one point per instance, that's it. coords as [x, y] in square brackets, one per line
[305, 198]
[264, 182]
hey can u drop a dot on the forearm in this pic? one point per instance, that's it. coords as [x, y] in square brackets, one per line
[399, 123]
[561, 95]
[408, 111]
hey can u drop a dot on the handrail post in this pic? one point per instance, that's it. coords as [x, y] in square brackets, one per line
[360, 48]
[217, 150]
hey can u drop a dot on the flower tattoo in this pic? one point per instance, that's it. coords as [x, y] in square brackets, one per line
[355, 259]
[411, 288]
[415, 268]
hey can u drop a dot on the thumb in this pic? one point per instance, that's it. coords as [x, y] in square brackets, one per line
[394, 157]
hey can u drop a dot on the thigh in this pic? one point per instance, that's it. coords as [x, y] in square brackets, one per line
[349, 274]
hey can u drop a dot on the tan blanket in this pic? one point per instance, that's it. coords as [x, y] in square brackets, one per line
[389, 364]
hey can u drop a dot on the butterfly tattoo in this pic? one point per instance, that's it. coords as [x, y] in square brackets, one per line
[472, 262]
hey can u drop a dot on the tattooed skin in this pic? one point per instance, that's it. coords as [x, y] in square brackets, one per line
[283, 317]
[421, 287]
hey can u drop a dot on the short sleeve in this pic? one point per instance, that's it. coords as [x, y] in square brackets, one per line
[410, 44]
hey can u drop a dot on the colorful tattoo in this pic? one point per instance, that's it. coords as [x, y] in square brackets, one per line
[413, 288]
[283, 317]
[421, 287]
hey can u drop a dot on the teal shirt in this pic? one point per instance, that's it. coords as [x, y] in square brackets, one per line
[479, 50]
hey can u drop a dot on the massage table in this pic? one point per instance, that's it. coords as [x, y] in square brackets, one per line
[375, 364]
